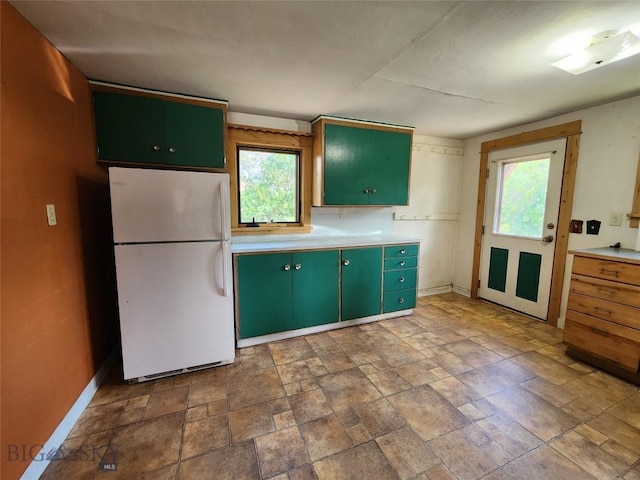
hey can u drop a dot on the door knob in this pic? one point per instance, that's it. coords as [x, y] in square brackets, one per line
[298, 266]
[287, 267]
[172, 150]
[366, 190]
[156, 148]
[548, 239]
[345, 262]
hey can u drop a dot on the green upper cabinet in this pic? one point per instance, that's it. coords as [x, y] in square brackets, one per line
[357, 164]
[129, 128]
[361, 282]
[278, 292]
[158, 130]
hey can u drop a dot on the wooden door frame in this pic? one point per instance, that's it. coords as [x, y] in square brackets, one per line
[571, 132]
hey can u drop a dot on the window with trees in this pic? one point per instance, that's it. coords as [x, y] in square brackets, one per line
[270, 173]
[268, 186]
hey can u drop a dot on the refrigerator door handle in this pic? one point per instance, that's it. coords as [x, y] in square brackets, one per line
[224, 211]
[225, 270]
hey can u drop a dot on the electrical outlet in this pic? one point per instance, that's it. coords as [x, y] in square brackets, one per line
[615, 219]
[51, 215]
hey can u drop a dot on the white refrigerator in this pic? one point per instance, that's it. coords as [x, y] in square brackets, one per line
[171, 231]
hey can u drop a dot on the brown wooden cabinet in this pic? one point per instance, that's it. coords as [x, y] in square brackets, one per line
[603, 315]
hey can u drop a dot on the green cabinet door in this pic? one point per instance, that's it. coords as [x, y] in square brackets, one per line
[346, 165]
[315, 288]
[390, 158]
[129, 128]
[265, 293]
[361, 282]
[194, 135]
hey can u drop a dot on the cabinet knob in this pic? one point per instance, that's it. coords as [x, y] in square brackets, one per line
[366, 190]
[401, 300]
[373, 190]
[345, 262]
[298, 266]
[402, 263]
[401, 279]
[287, 267]
[172, 150]
[403, 251]
[156, 148]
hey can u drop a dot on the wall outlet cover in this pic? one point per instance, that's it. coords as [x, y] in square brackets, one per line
[593, 227]
[575, 226]
[615, 219]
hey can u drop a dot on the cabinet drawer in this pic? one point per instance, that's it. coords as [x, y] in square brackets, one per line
[401, 251]
[396, 263]
[607, 290]
[604, 309]
[603, 339]
[400, 279]
[399, 300]
[607, 270]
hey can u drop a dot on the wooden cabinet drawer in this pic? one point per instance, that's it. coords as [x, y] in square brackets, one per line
[607, 290]
[603, 339]
[401, 251]
[607, 270]
[397, 263]
[400, 279]
[604, 309]
[399, 300]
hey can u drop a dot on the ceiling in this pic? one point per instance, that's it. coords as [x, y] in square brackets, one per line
[451, 69]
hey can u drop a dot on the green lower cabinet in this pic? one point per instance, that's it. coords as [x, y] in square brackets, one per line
[278, 292]
[399, 300]
[361, 282]
[265, 294]
[315, 288]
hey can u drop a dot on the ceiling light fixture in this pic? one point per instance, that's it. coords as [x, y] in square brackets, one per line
[603, 49]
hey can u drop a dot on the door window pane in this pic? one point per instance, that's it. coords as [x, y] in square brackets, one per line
[522, 197]
[268, 186]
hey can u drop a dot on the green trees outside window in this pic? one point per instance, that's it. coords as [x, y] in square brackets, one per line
[268, 182]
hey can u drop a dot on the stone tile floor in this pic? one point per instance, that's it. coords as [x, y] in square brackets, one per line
[461, 389]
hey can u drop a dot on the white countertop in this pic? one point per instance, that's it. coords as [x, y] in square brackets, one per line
[238, 245]
[615, 253]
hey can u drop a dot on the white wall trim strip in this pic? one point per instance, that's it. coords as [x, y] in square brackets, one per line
[425, 292]
[462, 291]
[38, 465]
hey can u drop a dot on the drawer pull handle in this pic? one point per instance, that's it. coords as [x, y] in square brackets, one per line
[401, 279]
[401, 300]
[615, 273]
[606, 290]
[402, 263]
[603, 310]
[403, 251]
[599, 331]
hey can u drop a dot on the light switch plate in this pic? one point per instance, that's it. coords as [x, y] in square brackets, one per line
[615, 219]
[51, 215]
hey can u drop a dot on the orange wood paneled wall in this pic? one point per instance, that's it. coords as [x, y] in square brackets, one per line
[57, 286]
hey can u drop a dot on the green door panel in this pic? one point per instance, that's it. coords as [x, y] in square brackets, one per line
[361, 282]
[528, 279]
[498, 260]
[315, 288]
[399, 300]
[396, 263]
[346, 165]
[196, 133]
[129, 127]
[265, 293]
[391, 156]
[410, 250]
[400, 279]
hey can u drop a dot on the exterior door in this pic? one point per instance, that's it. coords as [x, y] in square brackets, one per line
[520, 218]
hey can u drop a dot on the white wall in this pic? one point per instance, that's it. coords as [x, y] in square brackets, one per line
[607, 163]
